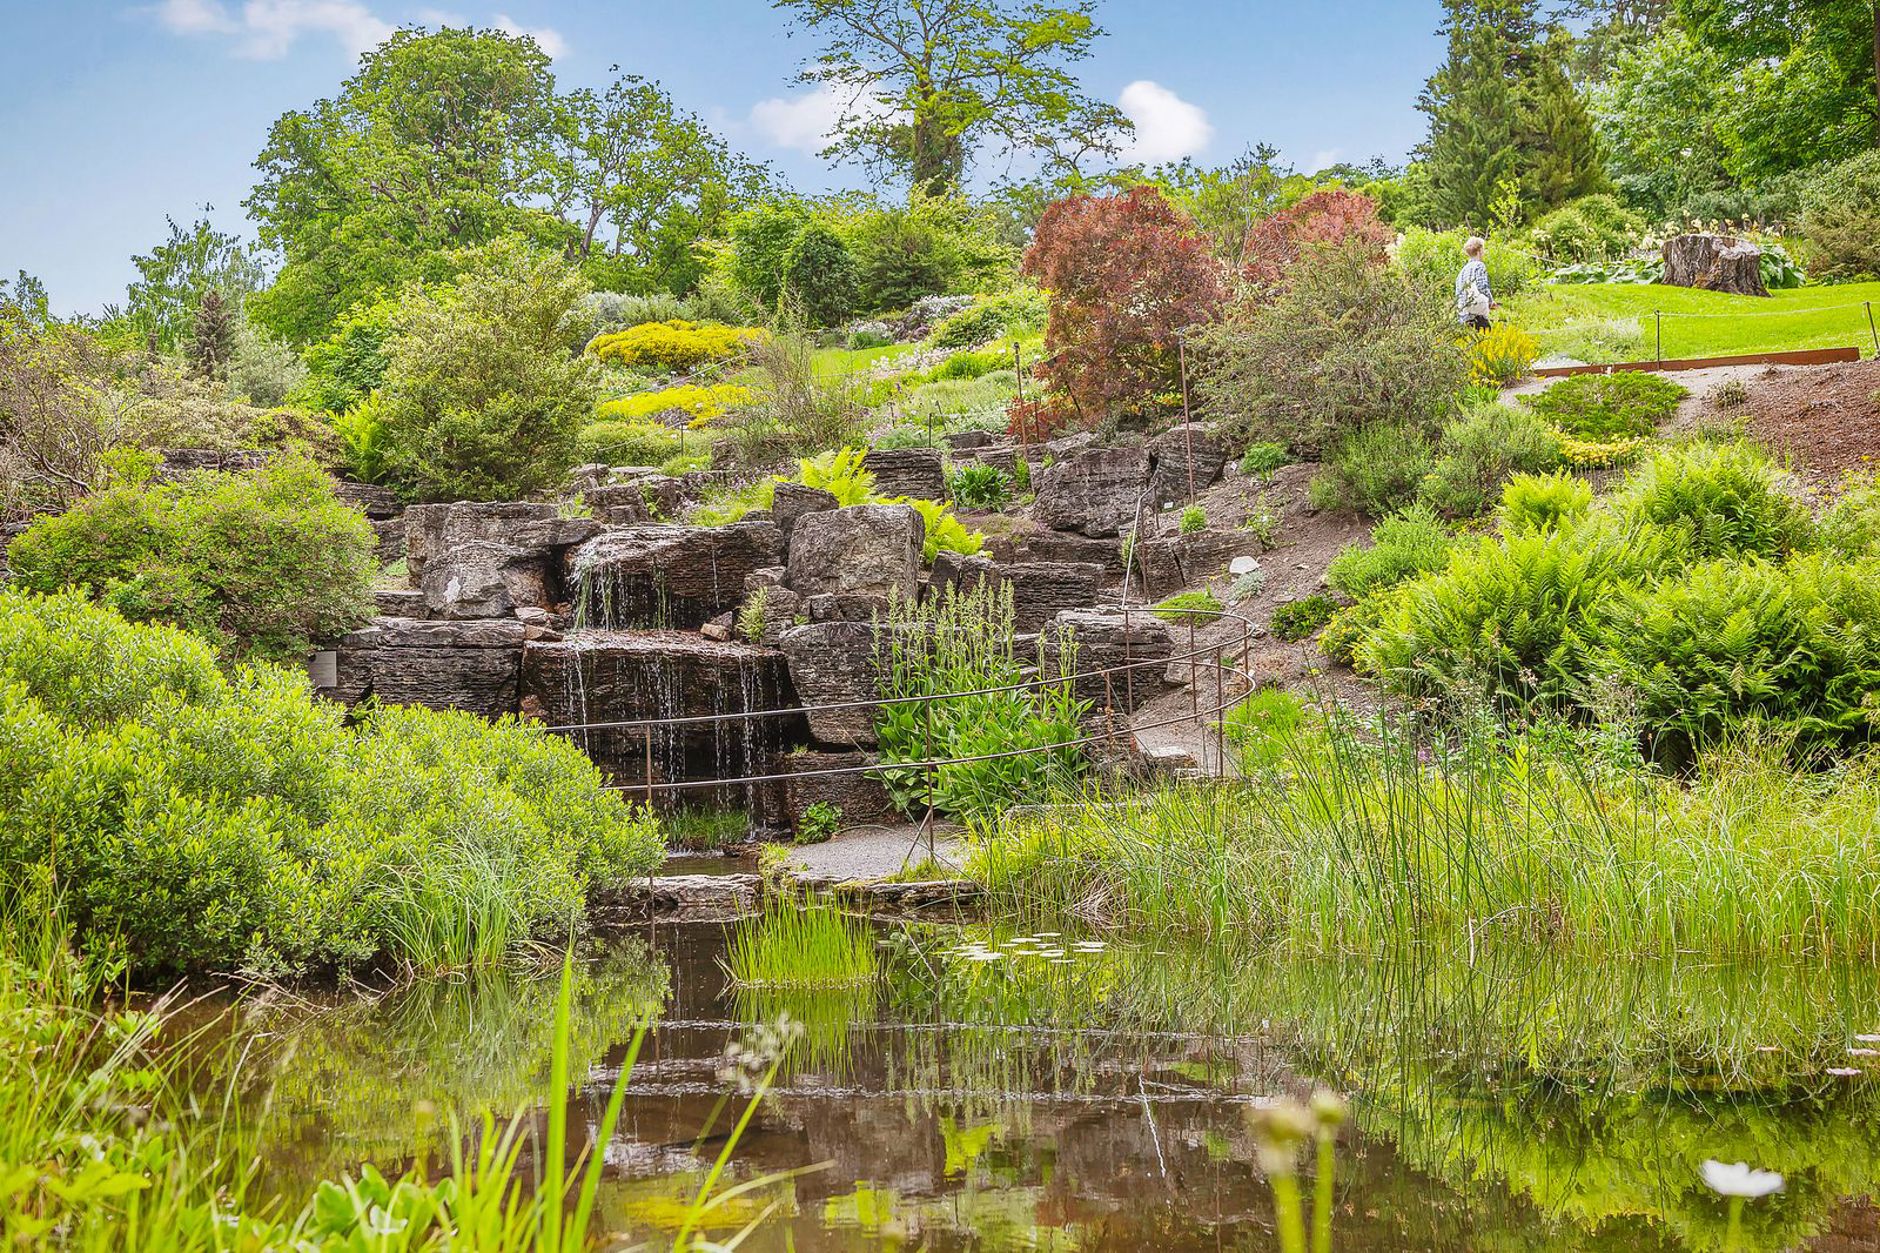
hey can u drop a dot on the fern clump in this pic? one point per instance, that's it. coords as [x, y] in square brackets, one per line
[1728, 499]
[1544, 502]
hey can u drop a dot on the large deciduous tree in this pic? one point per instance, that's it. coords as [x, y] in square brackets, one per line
[1128, 276]
[431, 148]
[174, 276]
[926, 85]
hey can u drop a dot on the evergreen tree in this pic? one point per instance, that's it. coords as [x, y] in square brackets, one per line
[212, 337]
[1475, 123]
[1560, 157]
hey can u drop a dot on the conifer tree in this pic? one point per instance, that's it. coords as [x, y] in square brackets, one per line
[1475, 124]
[212, 336]
[1560, 154]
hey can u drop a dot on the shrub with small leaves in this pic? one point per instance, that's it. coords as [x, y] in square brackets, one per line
[1197, 607]
[1603, 407]
[671, 346]
[1194, 520]
[1298, 619]
[1479, 451]
[1375, 472]
[1261, 459]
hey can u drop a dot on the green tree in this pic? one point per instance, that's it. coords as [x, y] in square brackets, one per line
[821, 275]
[1815, 61]
[212, 337]
[761, 239]
[436, 145]
[927, 84]
[1560, 139]
[1475, 125]
[480, 399]
[174, 276]
[1658, 115]
[640, 181]
[24, 297]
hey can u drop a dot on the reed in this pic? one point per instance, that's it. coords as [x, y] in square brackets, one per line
[802, 948]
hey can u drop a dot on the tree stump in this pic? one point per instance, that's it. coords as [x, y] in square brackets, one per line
[1714, 263]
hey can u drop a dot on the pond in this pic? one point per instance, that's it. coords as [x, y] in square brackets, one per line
[1000, 1089]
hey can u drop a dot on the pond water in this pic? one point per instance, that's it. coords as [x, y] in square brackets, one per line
[994, 1089]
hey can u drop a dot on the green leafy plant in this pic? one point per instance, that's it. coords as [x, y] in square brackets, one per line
[945, 532]
[818, 823]
[637, 443]
[1015, 311]
[1479, 451]
[1263, 726]
[1262, 458]
[1619, 405]
[963, 643]
[1538, 502]
[362, 435]
[262, 562]
[839, 472]
[1196, 607]
[1726, 498]
[1402, 546]
[980, 486]
[1194, 520]
[1374, 472]
[1297, 619]
[1262, 521]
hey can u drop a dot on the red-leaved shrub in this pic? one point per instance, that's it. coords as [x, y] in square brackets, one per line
[1126, 275]
[1334, 216]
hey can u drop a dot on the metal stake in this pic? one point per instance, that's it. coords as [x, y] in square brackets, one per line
[1871, 328]
[1659, 317]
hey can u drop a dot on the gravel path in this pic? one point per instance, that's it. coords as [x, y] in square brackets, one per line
[876, 852]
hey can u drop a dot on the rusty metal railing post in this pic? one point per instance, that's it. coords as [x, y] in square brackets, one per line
[928, 821]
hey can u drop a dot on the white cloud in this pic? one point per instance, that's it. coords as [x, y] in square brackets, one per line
[807, 122]
[266, 30]
[195, 17]
[1323, 160]
[547, 38]
[1168, 128]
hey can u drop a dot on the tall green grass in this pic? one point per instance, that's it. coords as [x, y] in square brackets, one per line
[814, 946]
[1392, 840]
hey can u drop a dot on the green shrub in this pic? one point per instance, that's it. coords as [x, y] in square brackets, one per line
[671, 347]
[1592, 228]
[980, 486]
[839, 472]
[1841, 219]
[1796, 645]
[1195, 607]
[627, 443]
[944, 533]
[349, 364]
[1348, 344]
[1432, 259]
[1851, 525]
[1298, 619]
[1512, 620]
[1541, 502]
[819, 823]
[1016, 311]
[1619, 405]
[964, 643]
[970, 365]
[821, 275]
[481, 400]
[1728, 499]
[1375, 471]
[1479, 451]
[1261, 459]
[931, 245]
[1402, 546]
[261, 563]
[206, 821]
[1194, 520]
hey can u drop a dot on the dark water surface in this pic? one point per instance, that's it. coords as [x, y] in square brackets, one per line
[994, 1090]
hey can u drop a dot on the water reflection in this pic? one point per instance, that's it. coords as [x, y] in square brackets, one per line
[1002, 1090]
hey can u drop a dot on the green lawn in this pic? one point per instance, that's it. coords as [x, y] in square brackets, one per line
[831, 364]
[1614, 322]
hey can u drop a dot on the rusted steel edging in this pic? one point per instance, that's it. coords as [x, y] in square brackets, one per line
[1802, 356]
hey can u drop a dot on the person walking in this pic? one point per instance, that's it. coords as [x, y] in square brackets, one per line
[1474, 297]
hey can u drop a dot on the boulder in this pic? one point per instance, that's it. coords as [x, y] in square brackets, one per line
[1714, 263]
[1174, 454]
[1169, 563]
[399, 602]
[793, 500]
[481, 579]
[431, 529]
[1065, 546]
[916, 472]
[861, 798]
[1043, 589]
[835, 663]
[390, 536]
[666, 575]
[953, 570]
[868, 549]
[180, 461]
[966, 441]
[1107, 638]
[376, 502]
[1096, 493]
[691, 897]
[472, 666]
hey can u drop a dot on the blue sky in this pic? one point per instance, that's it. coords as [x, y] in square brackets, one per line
[114, 114]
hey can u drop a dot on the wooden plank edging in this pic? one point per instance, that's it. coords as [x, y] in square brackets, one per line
[1805, 356]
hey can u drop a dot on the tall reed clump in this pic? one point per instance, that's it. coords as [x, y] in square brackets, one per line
[1371, 846]
[964, 642]
[812, 947]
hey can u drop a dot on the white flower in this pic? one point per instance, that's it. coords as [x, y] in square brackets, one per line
[1845, 1072]
[1739, 1180]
